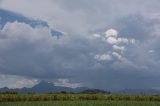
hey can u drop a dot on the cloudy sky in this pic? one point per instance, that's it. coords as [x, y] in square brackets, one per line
[106, 44]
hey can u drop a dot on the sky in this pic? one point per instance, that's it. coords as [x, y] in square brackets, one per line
[105, 44]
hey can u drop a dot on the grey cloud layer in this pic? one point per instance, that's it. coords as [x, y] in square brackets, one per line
[37, 54]
[82, 15]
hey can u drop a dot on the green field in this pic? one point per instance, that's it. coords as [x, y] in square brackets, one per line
[82, 103]
[75, 97]
[78, 100]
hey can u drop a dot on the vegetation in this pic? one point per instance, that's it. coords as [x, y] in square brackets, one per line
[75, 97]
[95, 91]
[81, 103]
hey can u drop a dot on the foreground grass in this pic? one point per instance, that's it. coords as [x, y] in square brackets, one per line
[75, 97]
[82, 103]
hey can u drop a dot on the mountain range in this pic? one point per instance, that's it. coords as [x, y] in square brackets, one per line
[47, 87]
[139, 91]
[43, 87]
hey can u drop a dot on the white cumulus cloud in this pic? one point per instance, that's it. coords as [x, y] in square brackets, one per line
[111, 33]
[111, 40]
[103, 57]
[13, 81]
[97, 35]
[67, 83]
[123, 40]
[117, 55]
[118, 48]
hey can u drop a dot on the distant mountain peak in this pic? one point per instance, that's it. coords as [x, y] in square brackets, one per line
[44, 87]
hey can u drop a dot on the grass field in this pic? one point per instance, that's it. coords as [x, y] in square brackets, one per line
[75, 97]
[82, 103]
[78, 100]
